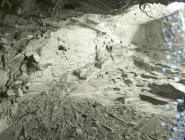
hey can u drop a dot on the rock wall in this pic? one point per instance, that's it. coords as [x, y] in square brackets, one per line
[92, 6]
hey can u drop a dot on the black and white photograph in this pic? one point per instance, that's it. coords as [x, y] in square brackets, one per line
[92, 69]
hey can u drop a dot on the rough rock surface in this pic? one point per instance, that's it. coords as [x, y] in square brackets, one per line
[88, 78]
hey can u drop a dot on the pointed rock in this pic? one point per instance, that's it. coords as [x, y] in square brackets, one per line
[36, 57]
[19, 93]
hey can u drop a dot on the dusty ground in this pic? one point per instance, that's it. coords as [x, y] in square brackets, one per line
[89, 77]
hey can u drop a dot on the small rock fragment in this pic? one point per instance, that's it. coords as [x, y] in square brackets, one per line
[29, 36]
[17, 83]
[19, 11]
[4, 40]
[38, 36]
[128, 82]
[19, 93]
[23, 67]
[79, 132]
[3, 124]
[10, 93]
[78, 74]
[23, 77]
[98, 64]
[17, 35]
[127, 137]
[36, 57]
[4, 78]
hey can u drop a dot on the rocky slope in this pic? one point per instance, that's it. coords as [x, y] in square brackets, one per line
[89, 77]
